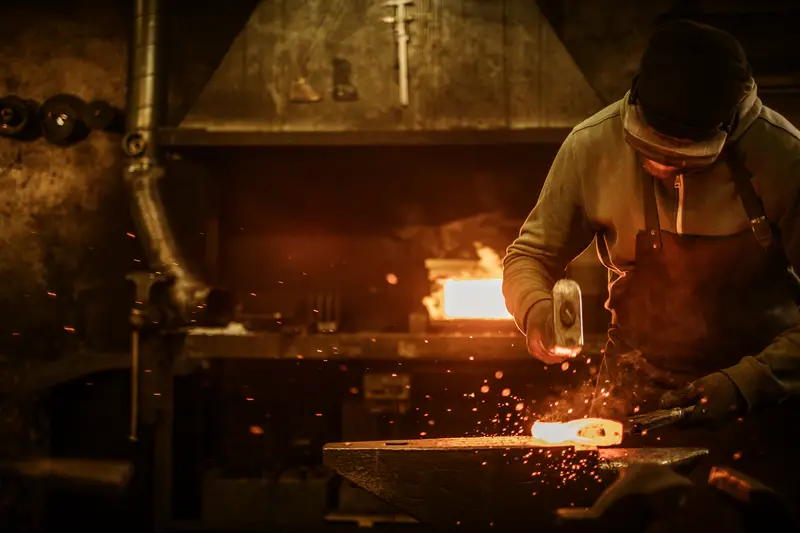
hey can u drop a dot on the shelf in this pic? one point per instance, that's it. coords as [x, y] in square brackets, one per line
[185, 137]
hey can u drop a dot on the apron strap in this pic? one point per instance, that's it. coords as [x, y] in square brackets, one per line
[761, 225]
[651, 223]
[742, 176]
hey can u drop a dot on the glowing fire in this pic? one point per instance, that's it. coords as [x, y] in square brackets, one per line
[464, 289]
[581, 432]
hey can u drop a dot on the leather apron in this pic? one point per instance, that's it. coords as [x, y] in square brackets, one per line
[692, 306]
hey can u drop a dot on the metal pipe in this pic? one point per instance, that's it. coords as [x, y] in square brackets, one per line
[144, 171]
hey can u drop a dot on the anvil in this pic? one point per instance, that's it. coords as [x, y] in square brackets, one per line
[502, 483]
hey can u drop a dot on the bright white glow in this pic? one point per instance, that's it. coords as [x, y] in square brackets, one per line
[581, 432]
[474, 299]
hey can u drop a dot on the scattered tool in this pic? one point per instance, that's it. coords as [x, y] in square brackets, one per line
[400, 21]
[567, 316]
[343, 88]
[656, 419]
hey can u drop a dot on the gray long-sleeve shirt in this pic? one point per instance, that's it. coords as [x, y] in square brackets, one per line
[594, 189]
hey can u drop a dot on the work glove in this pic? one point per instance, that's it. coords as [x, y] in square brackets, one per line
[540, 335]
[716, 398]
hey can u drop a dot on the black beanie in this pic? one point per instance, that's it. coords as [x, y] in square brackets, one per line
[691, 79]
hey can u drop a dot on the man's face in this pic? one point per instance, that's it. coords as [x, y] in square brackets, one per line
[664, 156]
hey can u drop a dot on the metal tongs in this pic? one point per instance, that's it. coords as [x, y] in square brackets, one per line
[655, 419]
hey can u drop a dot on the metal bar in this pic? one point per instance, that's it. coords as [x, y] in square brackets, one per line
[143, 171]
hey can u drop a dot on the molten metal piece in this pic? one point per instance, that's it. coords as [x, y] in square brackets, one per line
[581, 432]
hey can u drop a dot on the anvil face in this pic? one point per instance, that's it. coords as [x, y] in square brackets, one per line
[507, 483]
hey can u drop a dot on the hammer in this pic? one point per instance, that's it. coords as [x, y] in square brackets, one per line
[567, 317]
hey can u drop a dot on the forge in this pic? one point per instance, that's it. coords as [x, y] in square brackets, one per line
[503, 483]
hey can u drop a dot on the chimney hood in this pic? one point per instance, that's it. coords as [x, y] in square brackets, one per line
[478, 72]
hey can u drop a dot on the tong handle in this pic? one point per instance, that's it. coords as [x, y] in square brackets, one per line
[657, 419]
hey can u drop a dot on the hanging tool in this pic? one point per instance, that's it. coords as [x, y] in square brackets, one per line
[301, 92]
[657, 419]
[400, 21]
[343, 89]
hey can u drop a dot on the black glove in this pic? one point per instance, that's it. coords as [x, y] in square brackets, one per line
[716, 398]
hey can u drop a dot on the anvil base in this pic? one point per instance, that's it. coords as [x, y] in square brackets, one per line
[506, 483]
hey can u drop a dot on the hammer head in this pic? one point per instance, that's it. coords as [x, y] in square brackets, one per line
[568, 315]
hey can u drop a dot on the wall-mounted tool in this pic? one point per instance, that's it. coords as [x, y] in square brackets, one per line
[343, 89]
[567, 316]
[400, 21]
[301, 92]
[62, 119]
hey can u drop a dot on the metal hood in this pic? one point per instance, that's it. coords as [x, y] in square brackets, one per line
[475, 66]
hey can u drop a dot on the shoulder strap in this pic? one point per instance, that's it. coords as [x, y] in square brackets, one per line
[742, 177]
[651, 222]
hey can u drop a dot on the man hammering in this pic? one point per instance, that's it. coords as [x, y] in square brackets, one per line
[691, 187]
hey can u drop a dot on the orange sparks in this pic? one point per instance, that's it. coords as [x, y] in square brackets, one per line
[391, 279]
[485, 389]
[256, 430]
[581, 432]
[506, 392]
[519, 407]
[498, 375]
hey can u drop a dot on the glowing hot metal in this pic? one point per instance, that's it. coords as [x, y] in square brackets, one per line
[581, 432]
